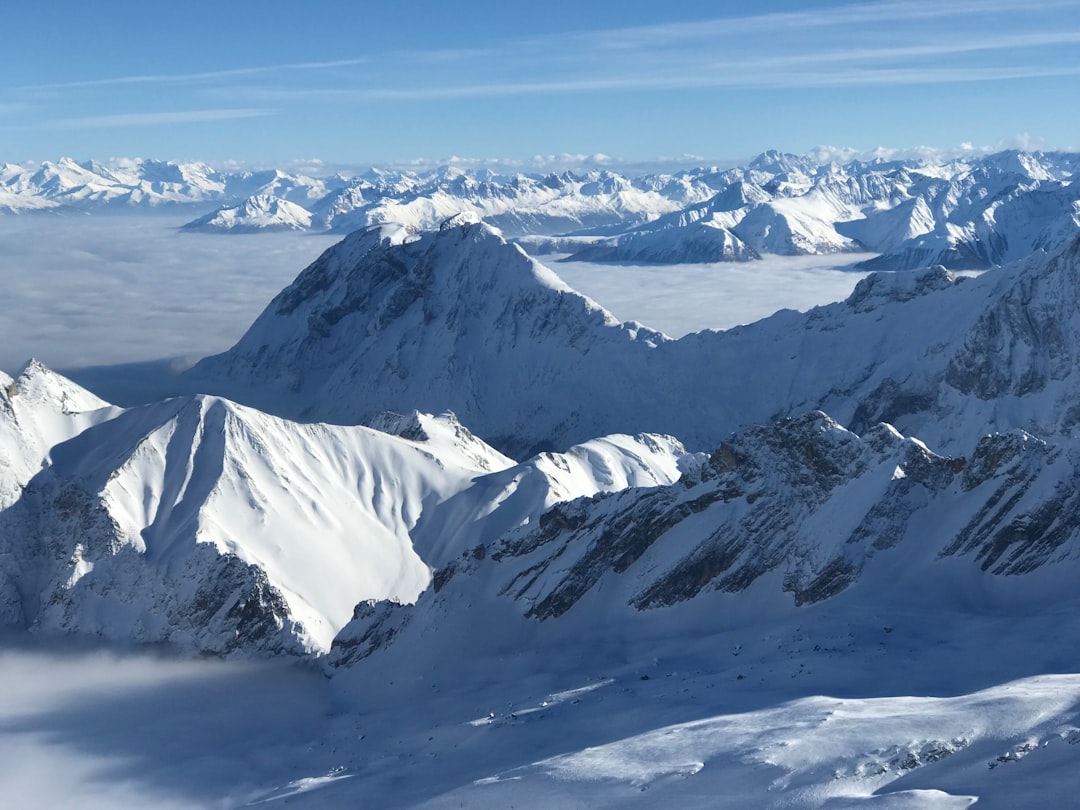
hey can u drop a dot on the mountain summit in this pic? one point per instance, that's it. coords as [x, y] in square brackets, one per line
[455, 319]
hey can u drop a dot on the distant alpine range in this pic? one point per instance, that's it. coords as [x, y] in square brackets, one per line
[964, 213]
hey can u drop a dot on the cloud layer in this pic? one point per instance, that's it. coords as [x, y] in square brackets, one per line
[88, 291]
[85, 291]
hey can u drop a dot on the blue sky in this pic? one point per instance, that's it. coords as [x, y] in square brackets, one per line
[358, 83]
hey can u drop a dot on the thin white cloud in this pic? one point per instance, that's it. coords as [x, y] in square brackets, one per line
[790, 78]
[204, 76]
[848, 16]
[161, 118]
[927, 42]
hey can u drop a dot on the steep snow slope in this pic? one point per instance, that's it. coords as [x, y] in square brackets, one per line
[654, 638]
[217, 528]
[703, 241]
[521, 494]
[804, 506]
[262, 212]
[38, 410]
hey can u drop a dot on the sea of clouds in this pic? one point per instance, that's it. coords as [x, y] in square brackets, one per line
[106, 290]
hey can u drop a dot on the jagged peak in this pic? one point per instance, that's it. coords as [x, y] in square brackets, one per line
[39, 383]
[464, 219]
[444, 434]
[886, 287]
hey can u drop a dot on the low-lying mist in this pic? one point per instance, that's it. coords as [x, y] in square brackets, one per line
[108, 289]
[99, 731]
[113, 289]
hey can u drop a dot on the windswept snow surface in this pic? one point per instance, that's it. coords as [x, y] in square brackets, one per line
[953, 701]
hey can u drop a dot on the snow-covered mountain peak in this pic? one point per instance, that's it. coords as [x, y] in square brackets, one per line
[464, 219]
[43, 386]
[243, 531]
[414, 318]
[261, 212]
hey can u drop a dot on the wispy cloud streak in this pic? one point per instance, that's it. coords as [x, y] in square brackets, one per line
[887, 43]
[195, 78]
[161, 118]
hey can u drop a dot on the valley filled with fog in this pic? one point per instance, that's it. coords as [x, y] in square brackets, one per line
[106, 290]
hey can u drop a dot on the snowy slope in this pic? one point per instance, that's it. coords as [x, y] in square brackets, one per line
[216, 528]
[521, 494]
[38, 410]
[518, 204]
[810, 618]
[138, 184]
[804, 508]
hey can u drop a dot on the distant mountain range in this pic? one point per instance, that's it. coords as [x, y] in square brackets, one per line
[968, 213]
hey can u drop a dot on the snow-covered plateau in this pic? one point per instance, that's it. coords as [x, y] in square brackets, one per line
[441, 531]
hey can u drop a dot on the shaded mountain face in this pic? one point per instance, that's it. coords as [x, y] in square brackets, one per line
[784, 516]
[461, 320]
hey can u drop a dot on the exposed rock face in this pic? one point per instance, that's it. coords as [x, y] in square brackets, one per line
[1026, 339]
[802, 507]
